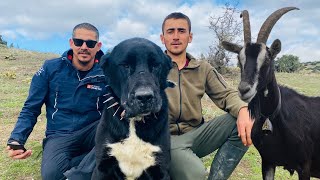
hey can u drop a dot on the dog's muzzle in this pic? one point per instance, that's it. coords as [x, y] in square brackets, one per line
[143, 101]
[143, 96]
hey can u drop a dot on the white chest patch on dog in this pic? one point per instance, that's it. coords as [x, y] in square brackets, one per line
[133, 154]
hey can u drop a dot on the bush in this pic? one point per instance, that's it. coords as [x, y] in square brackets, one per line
[3, 42]
[287, 63]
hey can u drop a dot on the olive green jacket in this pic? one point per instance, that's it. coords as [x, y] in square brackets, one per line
[199, 77]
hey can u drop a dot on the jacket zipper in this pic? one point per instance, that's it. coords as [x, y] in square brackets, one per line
[180, 103]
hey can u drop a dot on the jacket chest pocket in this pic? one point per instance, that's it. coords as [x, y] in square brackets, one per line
[93, 91]
[62, 94]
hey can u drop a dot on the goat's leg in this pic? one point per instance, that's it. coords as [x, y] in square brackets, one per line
[304, 174]
[268, 170]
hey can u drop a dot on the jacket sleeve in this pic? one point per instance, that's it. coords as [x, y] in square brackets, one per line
[221, 94]
[32, 106]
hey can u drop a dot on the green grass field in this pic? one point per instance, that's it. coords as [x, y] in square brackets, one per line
[16, 70]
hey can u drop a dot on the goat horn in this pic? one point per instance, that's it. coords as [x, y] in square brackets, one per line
[270, 22]
[246, 26]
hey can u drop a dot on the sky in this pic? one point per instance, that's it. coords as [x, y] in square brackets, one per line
[46, 26]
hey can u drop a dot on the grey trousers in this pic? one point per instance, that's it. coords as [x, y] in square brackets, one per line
[187, 149]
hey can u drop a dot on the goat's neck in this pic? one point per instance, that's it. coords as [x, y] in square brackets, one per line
[267, 99]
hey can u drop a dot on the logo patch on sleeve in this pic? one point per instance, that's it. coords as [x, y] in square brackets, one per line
[90, 86]
[39, 71]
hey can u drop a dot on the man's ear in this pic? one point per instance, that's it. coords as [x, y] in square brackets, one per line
[99, 45]
[275, 48]
[190, 37]
[70, 42]
[162, 38]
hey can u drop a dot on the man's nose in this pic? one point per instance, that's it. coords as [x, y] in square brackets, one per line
[84, 46]
[176, 35]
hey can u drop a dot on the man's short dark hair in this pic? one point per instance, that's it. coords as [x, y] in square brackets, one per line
[177, 15]
[86, 26]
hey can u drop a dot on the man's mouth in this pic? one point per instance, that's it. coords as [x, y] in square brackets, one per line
[84, 53]
[175, 43]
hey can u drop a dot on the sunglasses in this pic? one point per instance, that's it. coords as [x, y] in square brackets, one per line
[89, 43]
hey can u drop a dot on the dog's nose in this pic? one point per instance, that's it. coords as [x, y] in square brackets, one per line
[144, 94]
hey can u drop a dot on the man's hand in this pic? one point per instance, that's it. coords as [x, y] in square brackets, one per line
[244, 124]
[18, 154]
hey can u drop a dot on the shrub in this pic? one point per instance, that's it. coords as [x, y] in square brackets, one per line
[287, 63]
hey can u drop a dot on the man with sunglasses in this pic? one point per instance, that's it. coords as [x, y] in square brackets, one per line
[71, 87]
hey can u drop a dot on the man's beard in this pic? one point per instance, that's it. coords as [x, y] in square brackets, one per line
[84, 63]
[176, 53]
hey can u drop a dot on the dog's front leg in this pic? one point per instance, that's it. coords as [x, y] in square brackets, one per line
[107, 169]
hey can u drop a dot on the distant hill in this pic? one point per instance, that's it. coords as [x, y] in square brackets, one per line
[313, 67]
[20, 54]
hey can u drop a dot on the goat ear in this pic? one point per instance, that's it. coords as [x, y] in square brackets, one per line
[275, 48]
[231, 47]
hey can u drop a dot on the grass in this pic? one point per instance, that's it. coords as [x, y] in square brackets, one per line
[15, 77]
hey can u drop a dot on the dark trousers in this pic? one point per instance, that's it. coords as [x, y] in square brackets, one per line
[64, 152]
[187, 149]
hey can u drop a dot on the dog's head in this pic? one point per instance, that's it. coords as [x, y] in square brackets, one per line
[137, 72]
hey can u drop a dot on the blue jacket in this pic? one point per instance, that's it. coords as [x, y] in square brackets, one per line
[71, 102]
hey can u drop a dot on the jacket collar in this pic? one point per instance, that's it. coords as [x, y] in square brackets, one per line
[193, 62]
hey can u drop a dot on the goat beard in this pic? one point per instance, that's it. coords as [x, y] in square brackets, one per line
[254, 108]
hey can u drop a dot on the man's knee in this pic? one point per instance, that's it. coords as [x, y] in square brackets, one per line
[186, 166]
[51, 171]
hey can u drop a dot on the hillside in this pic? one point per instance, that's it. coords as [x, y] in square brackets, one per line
[313, 67]
[17, 68]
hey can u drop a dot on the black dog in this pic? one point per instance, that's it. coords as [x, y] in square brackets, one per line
[136, 144]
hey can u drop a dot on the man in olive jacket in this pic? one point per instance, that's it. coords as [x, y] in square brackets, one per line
[192, 137]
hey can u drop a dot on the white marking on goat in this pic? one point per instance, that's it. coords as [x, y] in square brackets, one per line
[261, 57]
[242, 57]
[266, 92]
[269, 174]
[133, 154]
[252, 92]
[260, 60]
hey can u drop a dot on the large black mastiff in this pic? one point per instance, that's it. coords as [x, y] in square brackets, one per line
[134, 144]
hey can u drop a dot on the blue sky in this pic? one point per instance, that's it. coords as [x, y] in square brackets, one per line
[46, 26]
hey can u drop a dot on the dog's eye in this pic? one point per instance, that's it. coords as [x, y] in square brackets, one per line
[156, 64]
[125, 65]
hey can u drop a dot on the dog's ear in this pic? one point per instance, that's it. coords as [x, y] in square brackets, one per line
[168, 61]
[103, 61]
[167, 65]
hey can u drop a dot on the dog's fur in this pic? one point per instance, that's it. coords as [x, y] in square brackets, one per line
[138, 146]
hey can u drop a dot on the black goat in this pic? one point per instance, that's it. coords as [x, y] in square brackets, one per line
[286, 130]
